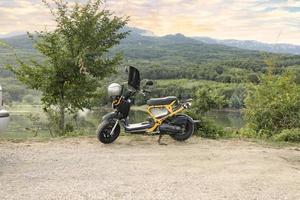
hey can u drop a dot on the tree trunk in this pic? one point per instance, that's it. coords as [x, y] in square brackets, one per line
[62, 119]
[62, 110]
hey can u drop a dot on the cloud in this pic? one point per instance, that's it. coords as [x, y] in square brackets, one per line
[239, 19]
[23, 15]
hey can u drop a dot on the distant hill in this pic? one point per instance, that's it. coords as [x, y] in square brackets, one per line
[168, 57]
[19, 42]
[12, 34]
[254, 45]
[171, 49]
[172, 53]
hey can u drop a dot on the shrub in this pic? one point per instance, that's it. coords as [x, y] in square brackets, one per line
[273, 105]
[253, 78]
[206, 99]
[247, 132]
[288, 135]
[206, 128]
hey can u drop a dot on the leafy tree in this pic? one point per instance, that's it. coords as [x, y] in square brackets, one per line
[219, 69]
[253, 78]
[237, 98]
[207, 99]
[77, 56]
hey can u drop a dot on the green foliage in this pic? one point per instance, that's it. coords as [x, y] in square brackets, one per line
[288, 135]
[35, 123]
[247, 132]
[209, 129]
[253, 78]
[273, 105]
[227, 95]
[206, 128]
[219, 69]
[206, 99]
[178, 57]
[69, 127]
[76, 54]
[53, 123]
[237, 98]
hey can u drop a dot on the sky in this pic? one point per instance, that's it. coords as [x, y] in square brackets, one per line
[271, 21]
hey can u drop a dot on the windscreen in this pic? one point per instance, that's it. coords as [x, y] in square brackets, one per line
[134, 78]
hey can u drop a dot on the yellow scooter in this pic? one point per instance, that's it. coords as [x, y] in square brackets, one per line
[164, 113]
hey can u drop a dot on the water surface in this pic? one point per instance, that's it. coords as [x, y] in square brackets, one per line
[22, 126]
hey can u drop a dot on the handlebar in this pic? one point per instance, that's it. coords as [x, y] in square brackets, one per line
[146, 91]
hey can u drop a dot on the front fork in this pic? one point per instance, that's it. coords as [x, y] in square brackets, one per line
[114, 127]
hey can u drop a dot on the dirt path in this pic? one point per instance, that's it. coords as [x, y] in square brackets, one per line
[138, 168]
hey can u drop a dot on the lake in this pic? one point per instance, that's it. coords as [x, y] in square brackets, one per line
[227, 118]
[21, 125]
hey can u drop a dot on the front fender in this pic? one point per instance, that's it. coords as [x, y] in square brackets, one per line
[109, 116]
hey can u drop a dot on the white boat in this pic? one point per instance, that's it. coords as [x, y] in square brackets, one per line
[4, 115]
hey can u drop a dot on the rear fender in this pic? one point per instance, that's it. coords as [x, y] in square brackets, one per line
[182, 119]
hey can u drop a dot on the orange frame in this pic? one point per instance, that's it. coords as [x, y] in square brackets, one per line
[158, 122]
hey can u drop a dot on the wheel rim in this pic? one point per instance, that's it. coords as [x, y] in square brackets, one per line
[185, 128]
[106, 133]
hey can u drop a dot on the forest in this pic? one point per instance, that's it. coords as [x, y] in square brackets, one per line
[167, 58]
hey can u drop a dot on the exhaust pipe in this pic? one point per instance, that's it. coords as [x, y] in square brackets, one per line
[166, 128]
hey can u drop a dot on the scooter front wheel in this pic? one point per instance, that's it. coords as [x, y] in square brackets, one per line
[105, 134]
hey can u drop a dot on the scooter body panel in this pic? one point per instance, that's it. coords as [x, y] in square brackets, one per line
[138, 127]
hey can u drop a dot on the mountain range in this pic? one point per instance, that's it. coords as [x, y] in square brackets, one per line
[167, 57]
[254, 45]
[145, 35]
[242, 44]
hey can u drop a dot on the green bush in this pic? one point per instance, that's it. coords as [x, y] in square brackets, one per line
[273, 105]
[247, 132]
[207, 98]
[288, 135]
[208, 129]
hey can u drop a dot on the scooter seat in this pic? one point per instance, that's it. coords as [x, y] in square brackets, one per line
[161, 101]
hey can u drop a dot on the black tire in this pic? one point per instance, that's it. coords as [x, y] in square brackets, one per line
[103, 132]
[188, 132]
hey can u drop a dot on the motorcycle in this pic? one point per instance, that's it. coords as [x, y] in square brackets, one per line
[165, 114]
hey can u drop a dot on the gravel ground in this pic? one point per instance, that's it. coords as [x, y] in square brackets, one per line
[139, 168]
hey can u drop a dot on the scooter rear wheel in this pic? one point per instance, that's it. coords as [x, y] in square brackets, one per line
[104, 132]
[186, 134]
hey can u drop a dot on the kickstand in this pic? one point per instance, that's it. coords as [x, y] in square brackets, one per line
[159, 138]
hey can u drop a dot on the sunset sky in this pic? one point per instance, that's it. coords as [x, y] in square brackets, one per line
[263, 20]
